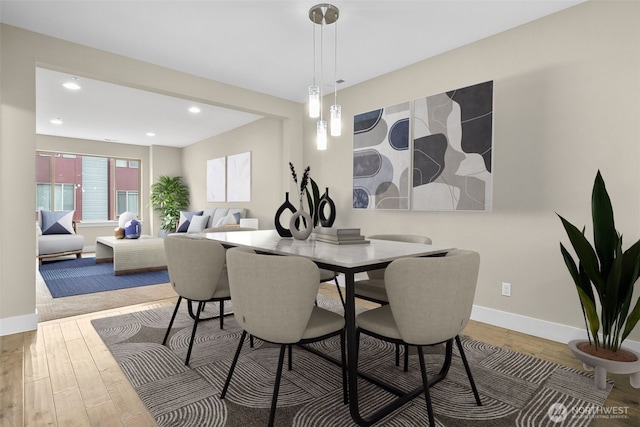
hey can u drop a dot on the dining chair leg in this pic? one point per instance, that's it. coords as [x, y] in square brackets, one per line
[406, 357]
[175, 311]
[193, 316]
[221, 302]
[339, 290]
[193, 332]
[290, 362]
[466, 368]
[276, 387]
[425, 383]
[233, 365]
[190, 308]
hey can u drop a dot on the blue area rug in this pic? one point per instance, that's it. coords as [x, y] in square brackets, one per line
[84, 276]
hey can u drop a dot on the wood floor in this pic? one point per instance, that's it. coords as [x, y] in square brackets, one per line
[63, 375]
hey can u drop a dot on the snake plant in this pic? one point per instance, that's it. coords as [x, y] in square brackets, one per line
[604, 275]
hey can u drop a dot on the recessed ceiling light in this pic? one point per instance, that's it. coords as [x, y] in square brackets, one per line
[150, 134]
[73, 84]
[194, 110]
[57, 121]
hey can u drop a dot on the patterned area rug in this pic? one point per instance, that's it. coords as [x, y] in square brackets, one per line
[83, 276]
[516, 389]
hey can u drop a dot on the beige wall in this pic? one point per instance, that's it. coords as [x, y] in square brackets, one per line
[21, 52]
[566, 104]
[263, 139]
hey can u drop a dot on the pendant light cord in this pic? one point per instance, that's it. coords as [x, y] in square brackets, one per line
[314, 48]
[335, 65]
[321, 64]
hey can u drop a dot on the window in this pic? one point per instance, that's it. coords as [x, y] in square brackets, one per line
[127, 202]
[64, 196]
[97, 188]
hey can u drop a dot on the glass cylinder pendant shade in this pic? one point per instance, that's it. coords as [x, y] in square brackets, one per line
[314, 101]
[322, 135]
[336, 120]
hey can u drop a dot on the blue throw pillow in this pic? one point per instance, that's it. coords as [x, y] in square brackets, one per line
[57, 222]
[185, 220]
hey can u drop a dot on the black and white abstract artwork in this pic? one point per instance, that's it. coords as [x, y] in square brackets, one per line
[432, 154]
[452, 150]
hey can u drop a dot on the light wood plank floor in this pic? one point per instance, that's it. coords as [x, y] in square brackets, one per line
[63, 375]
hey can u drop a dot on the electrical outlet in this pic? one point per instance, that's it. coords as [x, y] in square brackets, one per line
[506, 289]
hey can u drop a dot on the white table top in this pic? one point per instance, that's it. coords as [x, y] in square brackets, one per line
[346, 256]
[109, 240]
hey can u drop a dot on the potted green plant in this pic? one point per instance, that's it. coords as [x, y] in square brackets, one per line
[169, 195]
[604, 275]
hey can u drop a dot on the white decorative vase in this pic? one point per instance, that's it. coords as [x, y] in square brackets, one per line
[602, 366]
[304, 223]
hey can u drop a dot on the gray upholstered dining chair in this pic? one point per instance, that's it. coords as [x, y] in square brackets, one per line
[430, 301]
[197, 271]
[261, 285]
[373, 289]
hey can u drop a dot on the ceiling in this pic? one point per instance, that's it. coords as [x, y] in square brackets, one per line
[265, 46]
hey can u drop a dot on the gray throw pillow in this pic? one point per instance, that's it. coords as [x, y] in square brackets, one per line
[198, 223]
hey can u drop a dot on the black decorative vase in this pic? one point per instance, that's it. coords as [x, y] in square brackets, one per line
[325, 200]
[286, 206]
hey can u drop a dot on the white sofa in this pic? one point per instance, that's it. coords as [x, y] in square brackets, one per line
[214, 219]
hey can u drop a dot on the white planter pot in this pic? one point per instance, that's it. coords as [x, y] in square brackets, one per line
[602, 366]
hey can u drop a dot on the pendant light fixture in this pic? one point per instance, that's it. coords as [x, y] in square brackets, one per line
[324, 14]
[314, 89]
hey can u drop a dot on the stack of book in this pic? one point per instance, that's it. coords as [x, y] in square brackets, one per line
[339, 236]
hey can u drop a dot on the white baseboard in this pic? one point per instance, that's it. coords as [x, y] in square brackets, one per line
[536, 327]
[526, 325]
[17, 324]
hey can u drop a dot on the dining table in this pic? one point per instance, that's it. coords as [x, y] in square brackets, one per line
[349, 260]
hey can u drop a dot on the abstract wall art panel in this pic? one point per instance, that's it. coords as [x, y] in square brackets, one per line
[216, 180]
[239, 177]
[452, 150]
[381, 158]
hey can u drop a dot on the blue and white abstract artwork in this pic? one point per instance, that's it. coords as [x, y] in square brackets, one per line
[381, 158]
